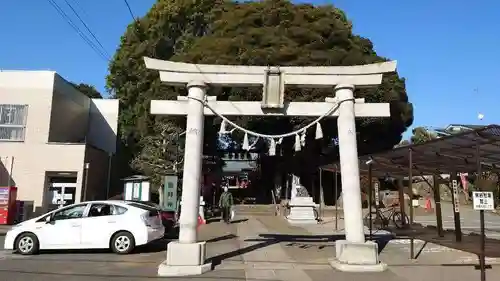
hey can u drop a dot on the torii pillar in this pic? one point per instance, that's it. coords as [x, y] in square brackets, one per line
[187, 256]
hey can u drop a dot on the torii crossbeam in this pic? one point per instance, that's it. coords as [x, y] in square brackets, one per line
[187, 256]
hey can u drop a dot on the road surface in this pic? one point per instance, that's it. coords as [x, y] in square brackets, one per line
[469, 219]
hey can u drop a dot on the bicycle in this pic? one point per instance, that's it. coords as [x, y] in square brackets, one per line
[382, 220]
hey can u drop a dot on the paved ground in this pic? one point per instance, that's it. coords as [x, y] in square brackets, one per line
[468, 217]
[260, 248]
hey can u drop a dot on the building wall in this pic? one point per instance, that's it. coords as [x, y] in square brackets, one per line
[33, 88]
[69, 116]
[31, 162]
[98, 171]
[103, 124]
[35, 156]
[59, 120]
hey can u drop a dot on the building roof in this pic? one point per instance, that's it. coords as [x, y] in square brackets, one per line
[474, 127]
[449, 154]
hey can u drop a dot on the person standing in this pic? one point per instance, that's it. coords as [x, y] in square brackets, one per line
[226, 203]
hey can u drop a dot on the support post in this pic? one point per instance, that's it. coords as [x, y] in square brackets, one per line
[370, 200]
[482, 258]
[482, 254]
[187, 256]
[336, 195]
[402, 200]
[437, 200]
[86, 168]
[456, 206]
[352, 254]
[410, 194]
[321, 194]
[349, 166]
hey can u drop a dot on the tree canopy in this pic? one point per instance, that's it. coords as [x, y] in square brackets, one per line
[421, 135]
[272, 32]
[89, 90]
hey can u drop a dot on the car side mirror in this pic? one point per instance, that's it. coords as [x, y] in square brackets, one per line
[48, 219]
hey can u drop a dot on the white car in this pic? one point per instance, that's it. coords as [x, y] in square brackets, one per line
[119, 225]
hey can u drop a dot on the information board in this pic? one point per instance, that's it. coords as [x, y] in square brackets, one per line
[483, 200]
[170, 193]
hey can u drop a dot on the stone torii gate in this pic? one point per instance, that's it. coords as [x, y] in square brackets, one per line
[187, 255]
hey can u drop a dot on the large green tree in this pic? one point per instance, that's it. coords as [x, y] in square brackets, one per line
[273, 32]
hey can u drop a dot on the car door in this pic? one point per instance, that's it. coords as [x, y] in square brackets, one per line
[101, 222]
[63, 231]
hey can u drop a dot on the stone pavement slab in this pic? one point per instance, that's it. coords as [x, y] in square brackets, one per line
[260, 248]
[435, 262]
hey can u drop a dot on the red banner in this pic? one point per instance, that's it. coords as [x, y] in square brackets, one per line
[465, 182]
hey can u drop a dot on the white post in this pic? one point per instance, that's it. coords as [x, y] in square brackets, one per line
[192, 164]
[187, 256]
[349, 166]
[352, 254]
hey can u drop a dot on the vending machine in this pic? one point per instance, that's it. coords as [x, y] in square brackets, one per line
[8, 205]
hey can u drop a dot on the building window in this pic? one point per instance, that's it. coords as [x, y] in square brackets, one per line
[13, 122]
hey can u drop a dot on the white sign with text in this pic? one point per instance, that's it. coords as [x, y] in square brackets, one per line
[483, 200]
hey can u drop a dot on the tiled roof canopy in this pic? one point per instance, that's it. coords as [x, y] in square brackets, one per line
[454, 153]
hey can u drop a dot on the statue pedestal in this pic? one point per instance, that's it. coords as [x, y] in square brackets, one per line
[302, 211]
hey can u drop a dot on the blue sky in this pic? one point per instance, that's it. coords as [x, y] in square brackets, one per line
[447, 50]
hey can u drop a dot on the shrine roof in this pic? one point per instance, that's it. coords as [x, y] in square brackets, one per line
[453, 153]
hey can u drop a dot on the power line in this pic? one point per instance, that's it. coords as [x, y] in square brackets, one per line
[88, 29]
[77, 29]
[76, 2]
[130, 10]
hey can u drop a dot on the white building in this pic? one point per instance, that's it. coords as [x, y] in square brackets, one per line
[54, 141]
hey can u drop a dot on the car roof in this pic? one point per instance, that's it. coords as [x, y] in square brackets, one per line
[116, 202]
[121, 203]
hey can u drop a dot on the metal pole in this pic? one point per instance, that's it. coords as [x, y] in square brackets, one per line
[410, 192]
[336, 201]
[482, 262]
[321, 194]
[482, 255]
[370, 185]
[86, 171]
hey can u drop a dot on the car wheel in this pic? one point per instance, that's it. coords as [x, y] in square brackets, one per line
[122, 243]
[27, 244]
